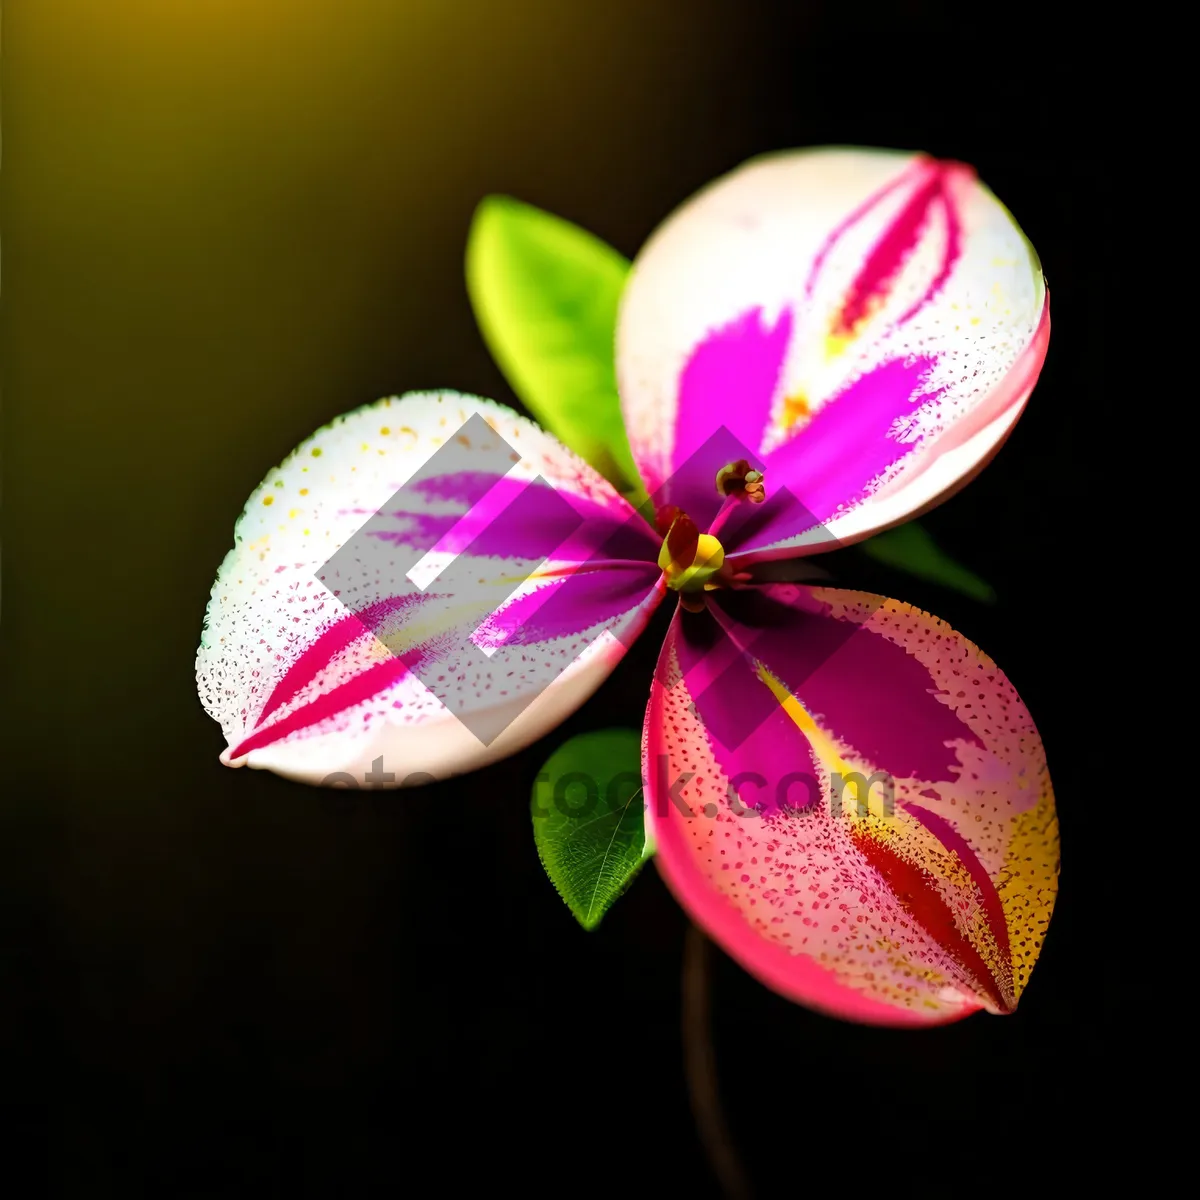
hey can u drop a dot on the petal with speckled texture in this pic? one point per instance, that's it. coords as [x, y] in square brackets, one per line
[325, 647]
[862, 813]
[868, 324]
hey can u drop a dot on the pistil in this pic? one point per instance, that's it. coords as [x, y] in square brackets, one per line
[690, 560]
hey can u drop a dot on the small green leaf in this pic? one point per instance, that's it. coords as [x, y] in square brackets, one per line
[588, 821]
[545, 294]
[910, 548]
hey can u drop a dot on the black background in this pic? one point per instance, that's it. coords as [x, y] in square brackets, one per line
[223, 224]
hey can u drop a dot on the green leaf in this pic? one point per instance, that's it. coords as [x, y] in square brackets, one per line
[910, 548]
[588, 820]
[545, 294]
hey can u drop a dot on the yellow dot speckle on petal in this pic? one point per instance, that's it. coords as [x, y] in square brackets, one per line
[293, 513]
[836, 343]
[306, 533]
[304, 491]
[384, 431]
[316, 452]
[268, 500]
[795, 408]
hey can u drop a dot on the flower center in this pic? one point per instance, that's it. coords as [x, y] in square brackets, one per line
[689, 559]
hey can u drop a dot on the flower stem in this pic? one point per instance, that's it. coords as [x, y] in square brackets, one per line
[700, 1067]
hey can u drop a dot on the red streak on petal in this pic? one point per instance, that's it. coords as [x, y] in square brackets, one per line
[953, 840]
[315, 658]
[930, 181]
[949, 255]
[914, 889]
[920, 167]
[362, 687]
[879, 272]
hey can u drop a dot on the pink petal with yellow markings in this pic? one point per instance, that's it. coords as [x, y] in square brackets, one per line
[869, 323]
[852, 800]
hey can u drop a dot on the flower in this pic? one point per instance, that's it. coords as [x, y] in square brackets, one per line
[815, 348]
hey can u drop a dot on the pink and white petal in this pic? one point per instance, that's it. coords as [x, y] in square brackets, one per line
[861, 812]
[432, 581]
[868, 323]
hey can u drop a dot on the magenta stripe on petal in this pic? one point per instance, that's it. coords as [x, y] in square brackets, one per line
[508, 518]
[950, 254]
[899, 240]
[830, 464]
[930, 181]
[314, 658]
[730, 380]
[751, 738]
[576, 601]
[915, 171]
[409, 525]
[362, 687]
[889, 254]
[851, 675]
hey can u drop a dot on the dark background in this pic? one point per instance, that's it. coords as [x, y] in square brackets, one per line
[226, 221]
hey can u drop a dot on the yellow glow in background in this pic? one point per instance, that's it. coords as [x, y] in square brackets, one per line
[227, 221]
